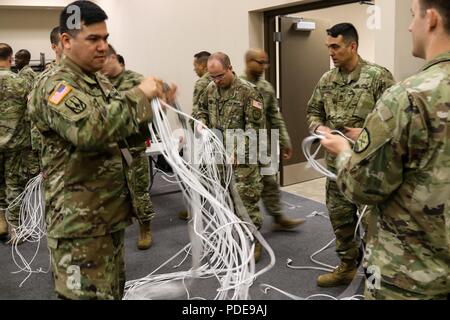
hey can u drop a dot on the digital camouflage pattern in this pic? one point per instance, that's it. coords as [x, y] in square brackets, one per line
[344, 100]
[89, 268]
[405, 173]
[81, 117]
[14, 140]
[237, 107]
[199, 88]
[137, 174]
[271, 195]
[29, 75]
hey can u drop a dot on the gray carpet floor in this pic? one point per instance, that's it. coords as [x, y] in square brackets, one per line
[170, 235]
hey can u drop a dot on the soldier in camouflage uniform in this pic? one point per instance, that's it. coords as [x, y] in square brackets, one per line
[35, 135]
[81, 117]
[341, 101]
[401, 165]
[14, 139]
[256, 62]
[22, 60]
[201, 69]
[137, 172]
[230, 103]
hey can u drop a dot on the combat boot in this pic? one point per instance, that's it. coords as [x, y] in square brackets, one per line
[258, 251]
[183, 215]
[342, 275]
[145, 236]
[3, 225]
[283, 224]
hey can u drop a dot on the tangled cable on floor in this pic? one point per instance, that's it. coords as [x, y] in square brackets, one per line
[222, 244]
[31, 228]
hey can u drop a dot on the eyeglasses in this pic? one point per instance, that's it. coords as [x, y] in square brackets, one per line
[261, 62]
[218, 77]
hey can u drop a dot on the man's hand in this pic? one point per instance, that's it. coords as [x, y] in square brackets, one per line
[152, 88]
[353, 133]
[200, 127]
[169, 93]
[287, 153]
[322, 130]
[335, 144]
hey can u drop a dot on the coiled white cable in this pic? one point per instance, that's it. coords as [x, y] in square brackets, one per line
[31, 228]
[220, 242]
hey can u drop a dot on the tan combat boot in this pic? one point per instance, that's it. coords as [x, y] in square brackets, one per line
[258, 251]
[145, 236]
[342, 275]
[3, 225]
[283, 224]
[183, 215]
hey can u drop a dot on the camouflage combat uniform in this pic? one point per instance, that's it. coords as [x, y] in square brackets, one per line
[270, 195]
[237, 107]
[401, 165]
[344, 100]
[138, 173]
[33, 164]
[80, 117]
[28, 74]
[15, 144]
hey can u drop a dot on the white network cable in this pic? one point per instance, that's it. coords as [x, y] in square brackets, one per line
[32, 225]
[220, 242]
[311, 156]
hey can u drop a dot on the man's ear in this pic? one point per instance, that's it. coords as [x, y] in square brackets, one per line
[432, 18]
[65, 41]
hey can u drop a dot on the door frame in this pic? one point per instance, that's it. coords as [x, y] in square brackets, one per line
[270, 41]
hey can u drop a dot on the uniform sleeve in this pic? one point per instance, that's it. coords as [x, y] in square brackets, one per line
[254, 111]
[88, 125]
[276, 120]
[201, 110]
[374, 169]
[384, 82]
[316, 114]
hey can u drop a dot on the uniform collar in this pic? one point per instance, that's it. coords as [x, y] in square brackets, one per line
[67, 62]
[436, 60]
[344, 78]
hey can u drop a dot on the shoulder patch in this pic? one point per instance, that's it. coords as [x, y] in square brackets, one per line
[363, 141]
[257, 104]
[58, 95]
[75, 104]
[384, 113]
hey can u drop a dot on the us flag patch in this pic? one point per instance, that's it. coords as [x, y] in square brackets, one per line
[59, 94]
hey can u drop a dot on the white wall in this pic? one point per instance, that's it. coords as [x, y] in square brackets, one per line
[28, 29]
[160, 37]
[353, 13]
[393, 41]
[35, 3]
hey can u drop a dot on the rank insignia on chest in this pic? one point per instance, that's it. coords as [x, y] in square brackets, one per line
[257, 104]
[59, 94]
[363, 141]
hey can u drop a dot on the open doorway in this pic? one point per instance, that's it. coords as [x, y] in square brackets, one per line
[299, 58]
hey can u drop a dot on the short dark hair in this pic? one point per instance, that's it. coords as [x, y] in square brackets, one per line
[90, 14]
[6, 51]
[222, 58]
[23, 55]
[121, 59]
[346, 30]
[202, 57]
[442, 6]
[54, 36]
